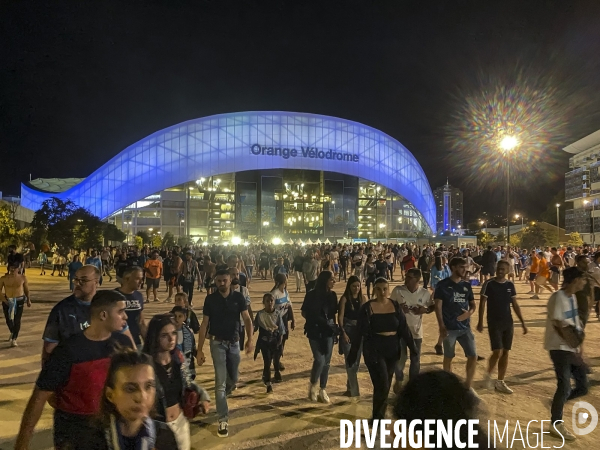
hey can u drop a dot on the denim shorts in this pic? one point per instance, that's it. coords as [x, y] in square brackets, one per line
[466, 340]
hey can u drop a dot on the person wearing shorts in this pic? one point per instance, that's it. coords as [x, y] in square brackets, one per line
[454, 305]
[499, 294]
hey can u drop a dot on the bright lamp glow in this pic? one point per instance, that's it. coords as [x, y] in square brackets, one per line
[508, 143]
[236, 240]
[276, 241]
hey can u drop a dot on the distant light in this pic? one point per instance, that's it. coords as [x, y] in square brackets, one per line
[265, 224]
[236, 240]
[205, 243]
[558, 205]
[276, 241]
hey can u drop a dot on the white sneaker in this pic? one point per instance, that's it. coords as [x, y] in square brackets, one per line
[313, 391]
[323, 397]
[489, 382]
[223, 432]
[13, 343]
[501, 386]
[559, 430]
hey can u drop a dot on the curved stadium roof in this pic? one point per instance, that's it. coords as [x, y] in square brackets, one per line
[225, 143]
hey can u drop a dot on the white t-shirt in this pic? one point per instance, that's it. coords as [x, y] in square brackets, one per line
[421, 297]
[560, 307]
[334, 256]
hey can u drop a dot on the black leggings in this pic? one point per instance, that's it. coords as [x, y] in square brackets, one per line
[14, 322]
[271, 353]
[370, 280]
[188, 288]
[381, 353]
[426, 278]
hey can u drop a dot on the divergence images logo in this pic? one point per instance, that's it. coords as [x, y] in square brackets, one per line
[580, 417]
[304, 152]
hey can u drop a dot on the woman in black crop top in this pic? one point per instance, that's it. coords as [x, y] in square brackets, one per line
[349, 306]
[172, 378]
[381, 324]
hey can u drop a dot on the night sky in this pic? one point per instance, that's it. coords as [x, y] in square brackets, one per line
[80, 81]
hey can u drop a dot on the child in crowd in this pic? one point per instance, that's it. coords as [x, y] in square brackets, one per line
[269, 324]
[186, 343]
[181, 299]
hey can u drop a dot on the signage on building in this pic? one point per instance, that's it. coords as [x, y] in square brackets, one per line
[304, 152]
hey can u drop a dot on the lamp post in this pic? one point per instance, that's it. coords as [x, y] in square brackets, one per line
[521, 216]
[507, 145]
[585, 202]
[557, 226]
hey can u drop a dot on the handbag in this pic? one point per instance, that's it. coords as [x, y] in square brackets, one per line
[191, 403]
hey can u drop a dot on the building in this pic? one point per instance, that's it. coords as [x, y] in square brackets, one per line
[253, 175]
[582, 187]
[448, 208]
[22, 216]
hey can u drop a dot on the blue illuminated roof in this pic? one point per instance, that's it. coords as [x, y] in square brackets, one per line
[227, 143]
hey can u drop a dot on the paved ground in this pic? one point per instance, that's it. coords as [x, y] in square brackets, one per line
[286, 419]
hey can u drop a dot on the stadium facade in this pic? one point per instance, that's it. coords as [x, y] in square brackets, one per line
[257, 175]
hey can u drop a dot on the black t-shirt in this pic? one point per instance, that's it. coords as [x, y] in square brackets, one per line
[264, 259]
[68, 317]
[120, 267]
[381, 267]
[224, 314]
[298, 261]
[499, 298]
[76, 371]
[134, 307]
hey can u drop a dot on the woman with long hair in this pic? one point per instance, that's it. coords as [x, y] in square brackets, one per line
[350, 303]
[381, 324]
[283, 303]
[319, 309]
[125, 407]
[172, 378]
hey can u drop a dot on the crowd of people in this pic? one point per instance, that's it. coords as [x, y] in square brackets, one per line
[144, 391]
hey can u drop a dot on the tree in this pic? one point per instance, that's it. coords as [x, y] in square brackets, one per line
[515, 240]
[575, 239]
[156, 241]
[484, 238]
[533, 236]
[87, 229]
[8, 228]
[168, 240]
[500, 237]
[145, 237]
[50, 223]
[113, 234]
[138, 241]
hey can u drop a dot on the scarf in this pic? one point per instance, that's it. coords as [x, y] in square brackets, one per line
[146, 436]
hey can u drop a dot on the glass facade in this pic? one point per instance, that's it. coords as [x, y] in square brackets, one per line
[288, 204]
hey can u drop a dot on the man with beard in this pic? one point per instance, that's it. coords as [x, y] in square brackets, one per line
[221, 326]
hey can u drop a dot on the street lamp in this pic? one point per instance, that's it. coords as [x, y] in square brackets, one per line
[482, 223]
[507, 145]
[585, 202]
[334, 230]
[517, 216]
[557, 227]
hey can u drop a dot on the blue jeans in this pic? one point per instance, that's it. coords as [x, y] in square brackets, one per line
[321, 350]
[226, 360]
[566, 365]
[351, 371]
[414, 368]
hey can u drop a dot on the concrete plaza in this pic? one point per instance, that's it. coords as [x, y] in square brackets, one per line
[286, 419]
